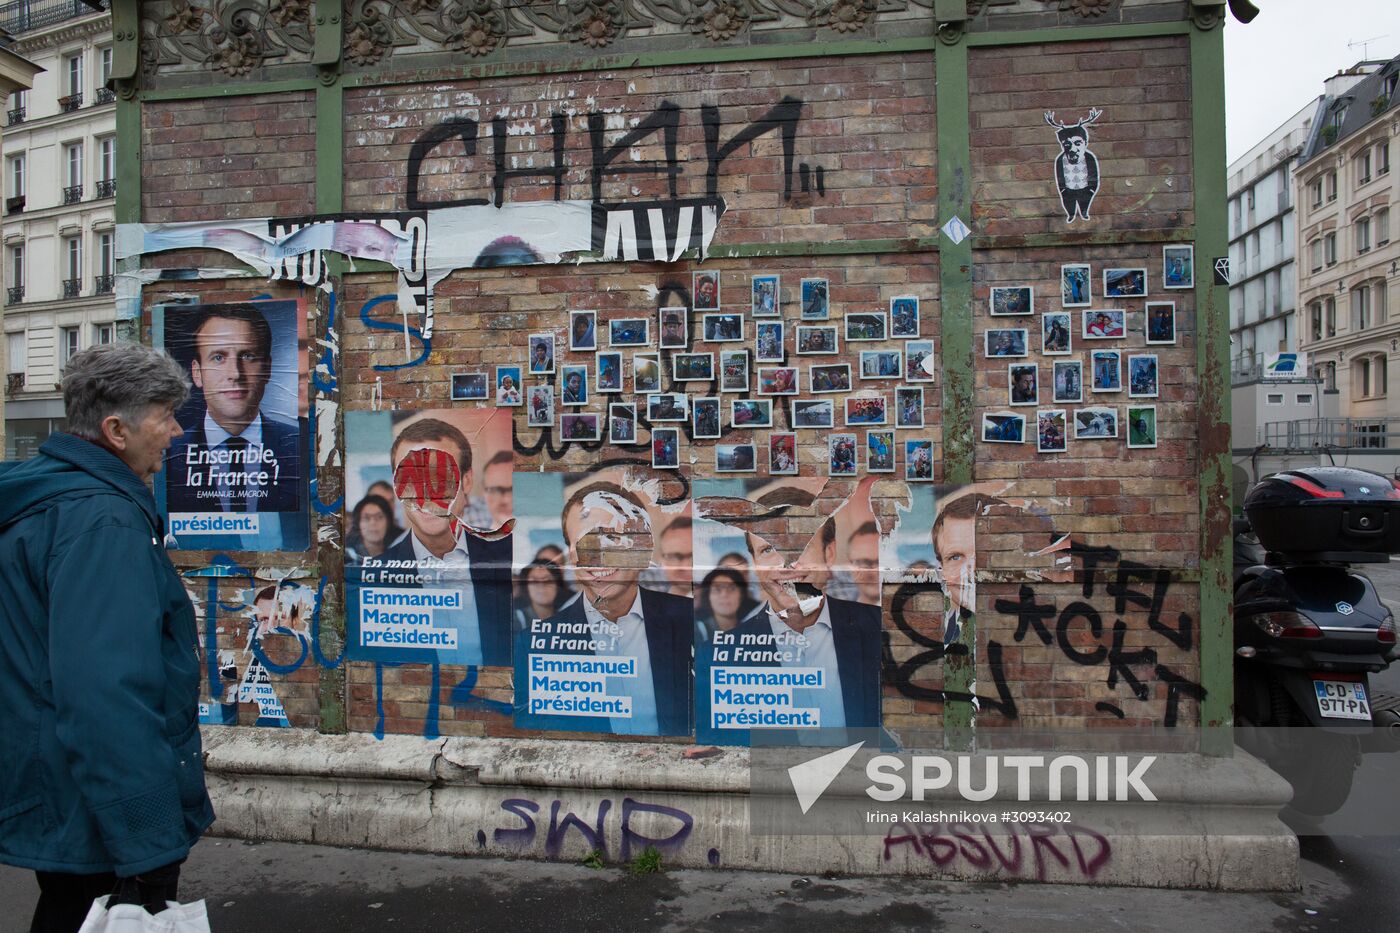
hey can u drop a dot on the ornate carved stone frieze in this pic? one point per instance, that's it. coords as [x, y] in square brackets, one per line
[237, 37]
[231, 37]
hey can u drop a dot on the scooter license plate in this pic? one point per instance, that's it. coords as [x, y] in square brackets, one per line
[1342, 699]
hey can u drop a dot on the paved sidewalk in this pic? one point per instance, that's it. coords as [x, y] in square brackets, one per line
[259, 887]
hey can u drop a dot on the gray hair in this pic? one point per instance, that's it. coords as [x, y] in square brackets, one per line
[122, 379]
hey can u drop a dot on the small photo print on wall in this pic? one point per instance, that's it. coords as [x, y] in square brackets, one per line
[723, 328]
[816, 300]
[1005, 342]
[734, 371]
[508, 385]
[833, 378]
[904, 316]
[674, 328]
[1179, 266]
[1012, 300]
[1095, 423]
[816, 340]
[1107, 324]
[705, 286]
[541, 354]
[580, 426]
[1003, 427]
[908, 407]
[1051, 436]
[767, 296]
[668, 406]
[583, 330]
[1055, 330]
[841, 455]
[467, 387]
[1076, 285]
[1142, 426]
[918, 460]
[1069, 381]
[573, 385]
[693, 367]
[867, 325]
[666, 448]
[1142, 376]
[879, 451]
[704, 418]
[862, 410]
[735, 458]
[813, 413]
[1024, 384]
[881, 364]
[1161, 322]
[768, 341]
[1125, 283]
[609, 372]
[646, 373]
[782, 454]
[777, 380]
[919, 361]
[622, 423]
[751, 413]
[1107, 370]
[540, 406]
[629, 332]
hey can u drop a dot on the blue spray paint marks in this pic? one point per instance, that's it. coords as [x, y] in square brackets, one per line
[397, 328]
[463, 697]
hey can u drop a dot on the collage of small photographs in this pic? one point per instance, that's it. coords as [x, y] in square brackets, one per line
[738, 356]
[1104, 368]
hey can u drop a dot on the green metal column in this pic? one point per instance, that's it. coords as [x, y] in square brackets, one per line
[955, 323]
[125, 60]
[1213, 368]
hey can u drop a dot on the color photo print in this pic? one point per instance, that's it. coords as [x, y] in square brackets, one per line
[1012, 300]
[816, 300]
[904, 316]
[236, 477]
[408, 598]
[767, 296]
[579, 666]
[1051, 436]
[1003, 427]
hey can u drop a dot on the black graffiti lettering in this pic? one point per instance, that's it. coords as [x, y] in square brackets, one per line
[1089, 614]
[463, 129]
[782, 117]
[525, 810]
[557, 126]
[633, 840]
[1120, 662]
[595, 837]
[665, 118]
[1030, 615]
[1177, 687]
[1091, 557]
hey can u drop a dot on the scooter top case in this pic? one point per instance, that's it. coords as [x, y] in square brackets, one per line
[1333, 514]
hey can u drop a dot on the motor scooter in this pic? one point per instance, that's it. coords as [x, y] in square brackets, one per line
[1310, 630]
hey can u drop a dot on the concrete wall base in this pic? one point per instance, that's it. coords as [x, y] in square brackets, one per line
[562, 800]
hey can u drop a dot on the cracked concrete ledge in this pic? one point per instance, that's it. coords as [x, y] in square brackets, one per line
[1216, 828]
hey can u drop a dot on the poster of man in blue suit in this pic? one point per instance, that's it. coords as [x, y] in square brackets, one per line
[236, 478]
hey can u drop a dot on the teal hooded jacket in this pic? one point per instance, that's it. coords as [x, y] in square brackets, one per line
[100, 760]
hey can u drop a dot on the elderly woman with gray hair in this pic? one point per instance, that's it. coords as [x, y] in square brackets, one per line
[101, 779]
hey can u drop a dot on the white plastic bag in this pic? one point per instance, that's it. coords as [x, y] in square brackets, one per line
[133, 918]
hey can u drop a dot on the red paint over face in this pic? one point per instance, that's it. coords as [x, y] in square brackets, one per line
[428, 479]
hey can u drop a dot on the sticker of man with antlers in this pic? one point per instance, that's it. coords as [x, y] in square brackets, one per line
[1076, 168]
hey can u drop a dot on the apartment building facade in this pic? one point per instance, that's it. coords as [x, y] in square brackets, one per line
[59, 233]
[1349, 257]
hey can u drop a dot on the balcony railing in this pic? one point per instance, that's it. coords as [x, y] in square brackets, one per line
[1346, 433]
[72, 288]
[14, 382]
[15, 204]
[24, 15]
[106, 188]
[103, 284]
[72, 194]
[70, 103]
[104, 95]
[14, 116]
[14, 295]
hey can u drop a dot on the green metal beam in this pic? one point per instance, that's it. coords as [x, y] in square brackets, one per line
[955, 327]
[1213, 368]
[195, 92]
[1077, 34]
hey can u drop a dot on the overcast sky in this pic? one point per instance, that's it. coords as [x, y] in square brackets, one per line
[1277, 63]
